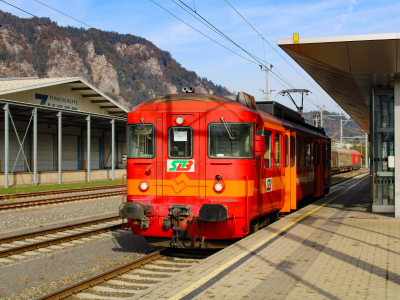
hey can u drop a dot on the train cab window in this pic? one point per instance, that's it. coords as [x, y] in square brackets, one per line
[286, 151]
[302, 153]
[230, 140]
[267, 155]
[180, 142]
[308, 152]
[292, 151]
[140, 139]
[321, 157]
[278, 150]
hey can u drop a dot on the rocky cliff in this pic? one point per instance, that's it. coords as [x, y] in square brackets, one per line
[128, 68]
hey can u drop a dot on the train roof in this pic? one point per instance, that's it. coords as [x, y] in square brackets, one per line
[271, 112]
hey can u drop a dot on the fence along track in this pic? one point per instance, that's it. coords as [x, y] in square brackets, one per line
[127, 280]
[17, 249]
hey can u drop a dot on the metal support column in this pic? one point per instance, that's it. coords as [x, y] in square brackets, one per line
[397, 147]
[341, 133]
[366, 150]
[35, 166]
[113, 148]
[59, 115]
[6, 144]
[88, 148]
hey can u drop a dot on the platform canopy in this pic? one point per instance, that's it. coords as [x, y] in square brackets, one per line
[347, 67]
[71, 93]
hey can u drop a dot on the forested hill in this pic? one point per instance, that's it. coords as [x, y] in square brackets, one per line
[127, 68]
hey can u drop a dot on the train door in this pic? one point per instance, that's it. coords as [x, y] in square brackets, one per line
[293, 171]
[287, 177]
[180, 154]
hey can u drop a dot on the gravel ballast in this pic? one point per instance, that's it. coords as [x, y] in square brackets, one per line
[40, 217]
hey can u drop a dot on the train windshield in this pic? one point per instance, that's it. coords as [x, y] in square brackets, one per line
[230, 140]
[180, 142]
[140, 138]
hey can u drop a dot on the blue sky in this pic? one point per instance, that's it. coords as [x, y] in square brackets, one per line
[272, 19]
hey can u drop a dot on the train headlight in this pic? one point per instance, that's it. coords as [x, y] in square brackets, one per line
[180, 120]
[219, 187]
[144, 186]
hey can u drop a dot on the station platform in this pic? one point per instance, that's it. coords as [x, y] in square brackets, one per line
[334, 248]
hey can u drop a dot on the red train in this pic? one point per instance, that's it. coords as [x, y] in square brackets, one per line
[205, 170]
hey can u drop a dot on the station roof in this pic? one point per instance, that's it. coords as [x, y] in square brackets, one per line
[348, 67]
[77, 84]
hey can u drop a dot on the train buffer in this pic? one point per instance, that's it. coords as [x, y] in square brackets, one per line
[334, 248]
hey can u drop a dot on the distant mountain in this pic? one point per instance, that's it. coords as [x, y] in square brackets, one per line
[332, 125]
[128, 68]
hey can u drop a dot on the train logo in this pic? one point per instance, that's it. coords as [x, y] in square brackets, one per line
[269, 185]
[181, 165]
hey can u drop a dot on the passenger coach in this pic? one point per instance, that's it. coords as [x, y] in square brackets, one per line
[205, 170]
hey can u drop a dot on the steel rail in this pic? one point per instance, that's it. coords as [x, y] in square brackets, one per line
[99, 278]
[34, 234]
[41, 202]
[55, 241]
[57, 192]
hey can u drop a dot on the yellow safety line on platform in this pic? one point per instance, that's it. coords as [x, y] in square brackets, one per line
[237, 258]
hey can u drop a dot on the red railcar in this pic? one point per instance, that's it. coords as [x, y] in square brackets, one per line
[205, 170]
[356, 159]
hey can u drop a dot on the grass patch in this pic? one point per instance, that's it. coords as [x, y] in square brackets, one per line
[53, 187]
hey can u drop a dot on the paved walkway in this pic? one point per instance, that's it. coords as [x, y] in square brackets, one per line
[333, 249]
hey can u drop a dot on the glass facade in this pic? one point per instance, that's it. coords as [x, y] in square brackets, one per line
[383, 123]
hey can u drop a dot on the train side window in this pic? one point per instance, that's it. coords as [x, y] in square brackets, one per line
[180, 142]
[292, 151]
[312, 153]
[298, 155]
[278, 150]
[286, 151]
[308, 153]
[321, 157]
[302, 154]
[316, 156]
[267, 155]
[326, 155]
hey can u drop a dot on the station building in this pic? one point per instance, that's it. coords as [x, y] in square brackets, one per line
[362, 74]
[57, 130]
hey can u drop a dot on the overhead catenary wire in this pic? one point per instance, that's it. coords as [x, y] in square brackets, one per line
[63, 13]
[276, 51]
[215, 29]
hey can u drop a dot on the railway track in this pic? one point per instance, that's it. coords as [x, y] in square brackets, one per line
[58, 200]
[130, 279]
[134, 278]
[26, 244]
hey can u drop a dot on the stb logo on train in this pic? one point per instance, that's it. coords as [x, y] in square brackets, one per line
[269, 184]
[181, 165]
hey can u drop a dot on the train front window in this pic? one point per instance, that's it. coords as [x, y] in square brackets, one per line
[140, 138]
[230, 140]
[180, 142]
